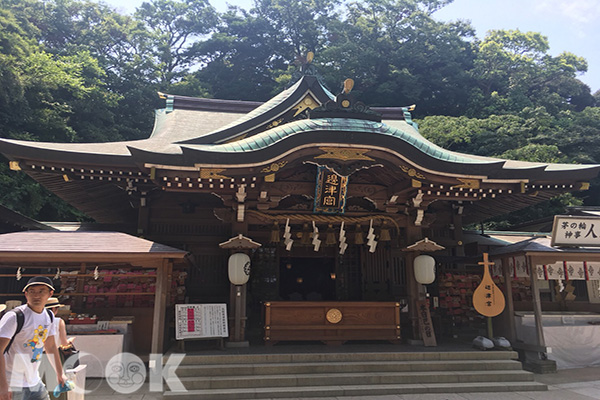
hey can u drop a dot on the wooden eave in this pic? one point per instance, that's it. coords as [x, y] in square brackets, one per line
[70, 247]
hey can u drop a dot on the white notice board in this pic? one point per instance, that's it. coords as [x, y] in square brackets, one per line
[200, 321]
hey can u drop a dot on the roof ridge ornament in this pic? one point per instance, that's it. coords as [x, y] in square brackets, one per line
[346, 106]
[306, 68]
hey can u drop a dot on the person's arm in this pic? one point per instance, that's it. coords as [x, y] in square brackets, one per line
[62, 333]
[5, 393]
[50, 346]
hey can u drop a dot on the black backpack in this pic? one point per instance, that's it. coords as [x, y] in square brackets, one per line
[21, 322]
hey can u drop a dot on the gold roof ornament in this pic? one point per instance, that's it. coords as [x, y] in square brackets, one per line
[424, 245]
[348, 85]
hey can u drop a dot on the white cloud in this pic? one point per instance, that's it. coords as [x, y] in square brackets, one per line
[579, 11]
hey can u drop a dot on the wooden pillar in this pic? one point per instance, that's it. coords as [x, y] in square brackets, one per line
[163, 283]
[413, 234]
[510, 306]
[237, 297]
[537, 304]
[80, 285]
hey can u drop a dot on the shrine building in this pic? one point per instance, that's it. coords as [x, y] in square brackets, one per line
[332, 201]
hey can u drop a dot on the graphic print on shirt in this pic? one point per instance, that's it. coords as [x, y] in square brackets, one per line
[37, 343]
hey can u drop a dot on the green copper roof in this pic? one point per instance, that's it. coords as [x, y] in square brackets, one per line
[408, 135]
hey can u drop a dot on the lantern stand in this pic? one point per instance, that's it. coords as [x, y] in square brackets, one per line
[239, 273]
[423, 270]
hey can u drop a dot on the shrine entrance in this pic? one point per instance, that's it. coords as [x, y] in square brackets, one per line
[307, 278]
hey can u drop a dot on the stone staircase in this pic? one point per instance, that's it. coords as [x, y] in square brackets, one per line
[268, 376]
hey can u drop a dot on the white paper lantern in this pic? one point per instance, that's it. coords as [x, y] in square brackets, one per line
[239, 268]
[424, 269]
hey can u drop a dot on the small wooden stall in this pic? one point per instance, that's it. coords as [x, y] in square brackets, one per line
[74, 254]
[562, 317]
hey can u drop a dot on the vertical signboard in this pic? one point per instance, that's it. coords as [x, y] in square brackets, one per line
[330, 193]
[200, 321]
[425, 324]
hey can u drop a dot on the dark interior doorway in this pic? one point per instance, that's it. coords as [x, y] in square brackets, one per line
[308, 279]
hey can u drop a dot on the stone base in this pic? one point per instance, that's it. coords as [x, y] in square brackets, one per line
[540, 366]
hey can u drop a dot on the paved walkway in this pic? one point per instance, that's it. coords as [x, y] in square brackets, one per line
[571, 384]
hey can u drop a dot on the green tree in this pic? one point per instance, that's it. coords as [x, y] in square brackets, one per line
[175, 32]
[513, 70]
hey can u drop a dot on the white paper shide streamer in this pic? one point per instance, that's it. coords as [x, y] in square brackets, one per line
[287, 236]
[371, 242]
[315, 240]
[343, 244]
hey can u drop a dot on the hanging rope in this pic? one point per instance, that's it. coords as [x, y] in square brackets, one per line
[324, 219]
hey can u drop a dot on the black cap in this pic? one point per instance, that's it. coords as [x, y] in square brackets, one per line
[39, 280]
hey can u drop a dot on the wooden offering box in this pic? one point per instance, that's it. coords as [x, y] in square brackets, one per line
[331, 322]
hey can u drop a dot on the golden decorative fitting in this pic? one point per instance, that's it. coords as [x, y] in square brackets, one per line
[334, 316]
[584, 186]
[270, 178]
[274, 167]
[14, 166]
[212, 173]
[66, 177]
[275, 123]
[345, 103]
[237, 138]
[268, 304]
[413, 173]
[308, 102]
[337, 153]
[415, 183]
[467, 183]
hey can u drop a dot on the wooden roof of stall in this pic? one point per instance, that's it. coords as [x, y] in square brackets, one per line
[270, 150]
[67, 247]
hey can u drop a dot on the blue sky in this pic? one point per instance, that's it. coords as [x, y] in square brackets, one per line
[570, 25]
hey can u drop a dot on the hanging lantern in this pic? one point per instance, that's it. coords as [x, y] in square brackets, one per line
[306, 233]
[424, 269]
[330, 238]
[384, 234]
[358, 235]
[239, 268]
[275, 238]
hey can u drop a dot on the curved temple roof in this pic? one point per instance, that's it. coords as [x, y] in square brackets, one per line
[193, 132]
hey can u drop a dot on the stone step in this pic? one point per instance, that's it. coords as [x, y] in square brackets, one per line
[349, 366]
[342, 357]
[364, 378]
[353, 390]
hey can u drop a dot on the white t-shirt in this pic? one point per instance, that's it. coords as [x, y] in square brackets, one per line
[25, 354]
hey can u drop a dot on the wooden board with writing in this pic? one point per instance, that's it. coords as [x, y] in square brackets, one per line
[425, 324]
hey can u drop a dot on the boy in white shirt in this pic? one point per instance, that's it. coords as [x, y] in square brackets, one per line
[19, 376]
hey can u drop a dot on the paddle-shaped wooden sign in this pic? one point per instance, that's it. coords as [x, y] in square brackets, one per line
[488, 299]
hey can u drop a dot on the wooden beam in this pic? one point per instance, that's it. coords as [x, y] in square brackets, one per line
[537, 304]
[510, 305]
[163, 283]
